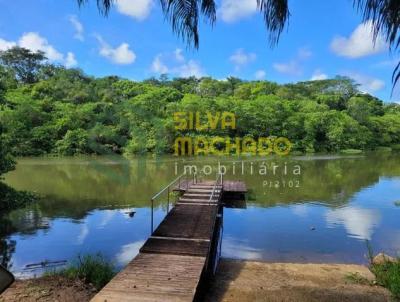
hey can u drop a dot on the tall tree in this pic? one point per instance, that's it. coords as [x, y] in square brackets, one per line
[23, 62]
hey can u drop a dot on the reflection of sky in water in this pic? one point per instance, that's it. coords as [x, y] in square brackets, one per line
[359, 223]
[313, 232]
[306, 225]
[112, 232]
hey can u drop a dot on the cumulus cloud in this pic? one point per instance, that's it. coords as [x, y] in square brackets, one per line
[4, 45]
[304, 53]
[241, 58]
[318, 75]
[84, 232]
[178, 55]
[360, 43]
[119, 55]
[158, 66]
[70, 60]
[77, 26]
[35, 42]
[128, 252]
[179, 65]
[233, 10]
[359, 222]
[233, 248]
[191, 68]
[367, 83]
[294, 66]
[291, 68]
[138, 9]
[260, 74]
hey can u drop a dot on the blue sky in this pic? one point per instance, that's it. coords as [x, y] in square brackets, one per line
[323, 39]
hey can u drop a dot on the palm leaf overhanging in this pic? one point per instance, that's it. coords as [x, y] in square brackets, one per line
[385, 17]
[103, 5]
[184, 18]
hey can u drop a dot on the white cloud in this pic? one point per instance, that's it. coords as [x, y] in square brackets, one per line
[291, 68]
[367, 83]
[191, 68]
[35, 42]
[360, 43]
[119, 55]
[4, 45]
[178, 55]
[300, 210]
[178, 65]
[138, 9]
[260, 74]
[128, 252]
[318, 75]
[304, 53]
[70, 60]
[158, 66]
[240, 249]
[233, 10]
[359, 222]
[84, 232]
[241, 58]
[77, 26]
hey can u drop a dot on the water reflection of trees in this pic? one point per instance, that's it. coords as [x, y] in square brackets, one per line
[25, 221]
[329, 181]
[7, 246]
[72, 189]
[99, 182]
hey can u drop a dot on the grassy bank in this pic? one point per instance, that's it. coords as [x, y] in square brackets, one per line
[91, 269]
[386, 270]
[387, 275]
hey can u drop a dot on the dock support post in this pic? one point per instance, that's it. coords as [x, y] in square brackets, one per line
[168, 201]
[152, 218]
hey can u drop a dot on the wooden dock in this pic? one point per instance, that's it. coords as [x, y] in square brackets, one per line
[179, 252]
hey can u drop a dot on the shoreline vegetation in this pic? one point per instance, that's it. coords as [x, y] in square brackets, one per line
[236, 280]
[48, 109]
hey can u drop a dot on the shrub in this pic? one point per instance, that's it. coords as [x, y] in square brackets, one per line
[92, 269]
[383, 149]
[388, 275]
[351, 151]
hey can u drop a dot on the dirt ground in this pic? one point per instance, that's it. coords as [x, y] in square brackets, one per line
[48, 289]
[239, 281]
[258, 281]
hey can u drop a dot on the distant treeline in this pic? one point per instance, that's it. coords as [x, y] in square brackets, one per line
[48, 109]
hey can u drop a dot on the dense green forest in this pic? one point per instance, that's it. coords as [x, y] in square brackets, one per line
[48, 109]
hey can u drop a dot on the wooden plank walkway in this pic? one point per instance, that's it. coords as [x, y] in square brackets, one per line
[171, 262]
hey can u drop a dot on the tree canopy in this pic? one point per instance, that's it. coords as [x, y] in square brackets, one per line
[68, 112]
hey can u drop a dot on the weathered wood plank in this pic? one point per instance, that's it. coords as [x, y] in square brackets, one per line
[186, 221]
[176, 247]
[155, 277]
[171, 262]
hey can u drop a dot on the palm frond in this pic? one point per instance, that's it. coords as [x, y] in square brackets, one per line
[184, 17]
[276, 14]
[385, 17]
[103, 5]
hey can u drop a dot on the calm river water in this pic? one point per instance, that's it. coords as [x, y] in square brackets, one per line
[299, 209]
